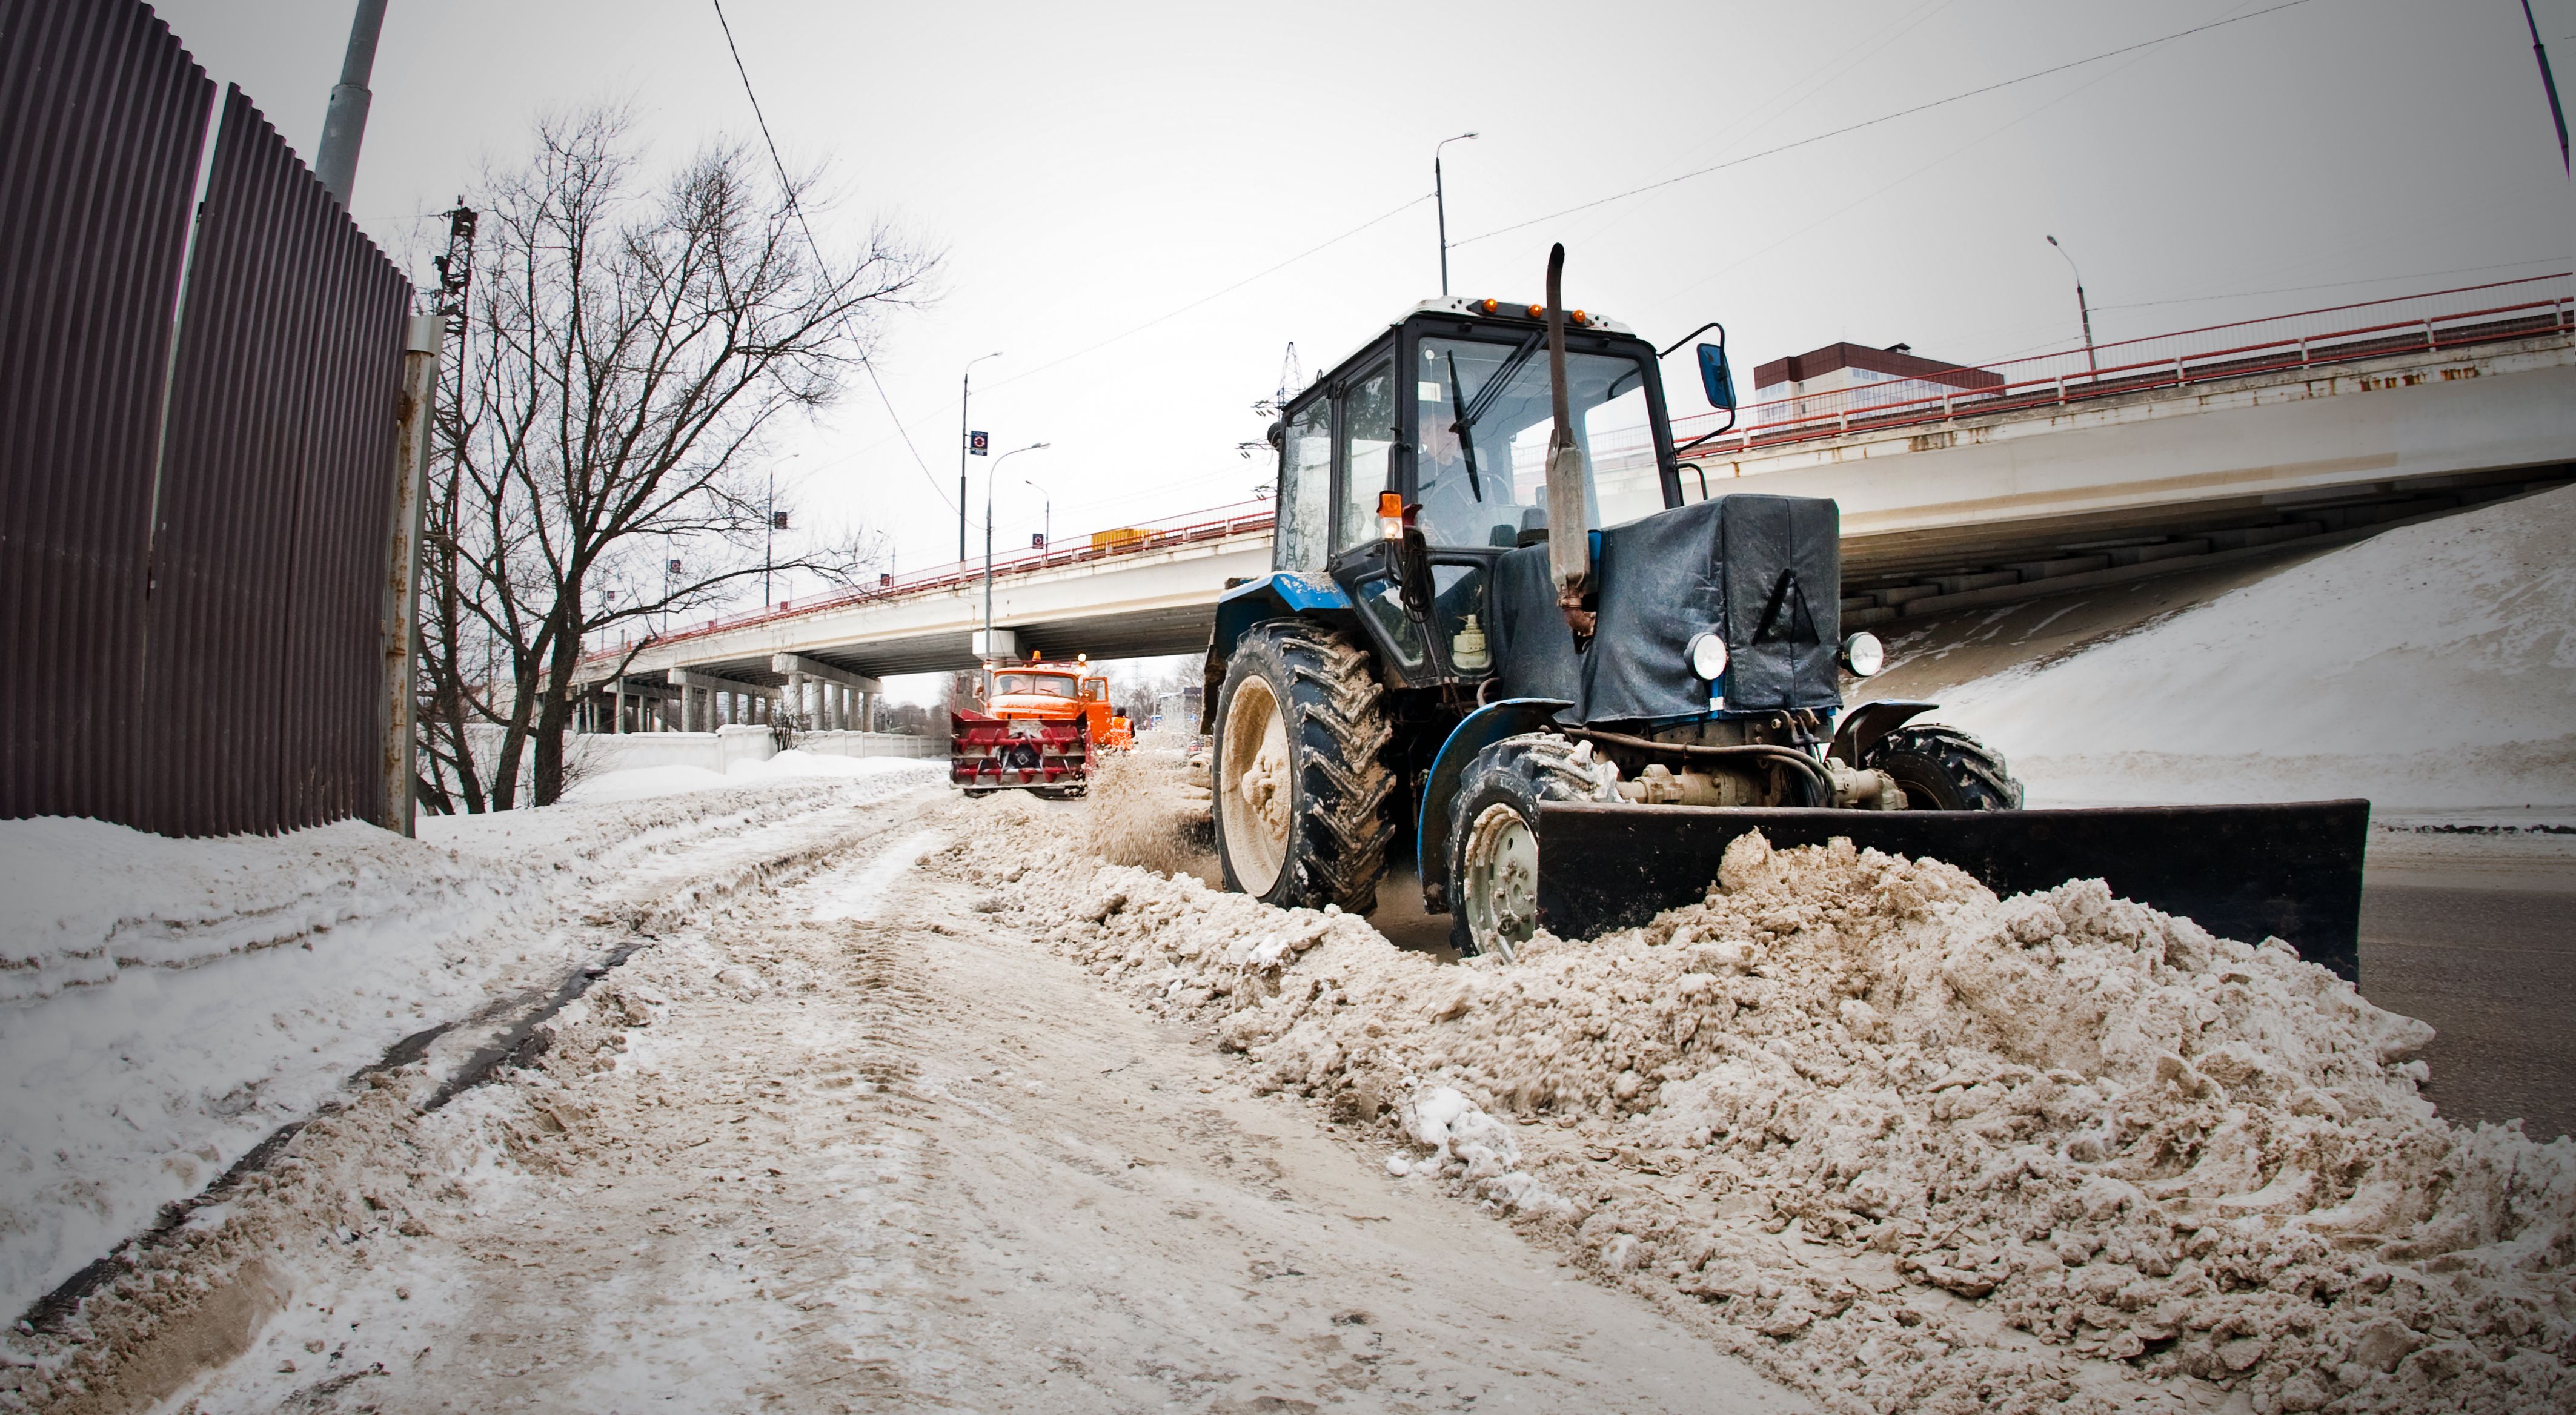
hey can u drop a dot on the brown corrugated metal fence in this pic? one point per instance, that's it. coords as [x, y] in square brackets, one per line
[263, 639]
[213, 666]
[102, 121]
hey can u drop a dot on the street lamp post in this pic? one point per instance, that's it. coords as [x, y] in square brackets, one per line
[1046, 537]
[988, 539]
[2083, 311]
[1440, 203]
[965, 393]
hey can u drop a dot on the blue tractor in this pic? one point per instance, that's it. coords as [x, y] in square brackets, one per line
[1505, 634]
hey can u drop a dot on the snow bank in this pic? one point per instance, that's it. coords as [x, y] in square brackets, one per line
[642, 783]
[165, 1004]
[1906, 1144]
[2433, 666]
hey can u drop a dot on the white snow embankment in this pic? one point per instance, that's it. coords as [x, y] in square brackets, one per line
[645, 782]
[166, 1004]
[2431, 667]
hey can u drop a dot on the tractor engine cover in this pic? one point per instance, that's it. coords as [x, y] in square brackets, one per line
[1765, 572]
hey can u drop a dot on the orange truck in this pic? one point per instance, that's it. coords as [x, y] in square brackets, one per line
[1036, 725]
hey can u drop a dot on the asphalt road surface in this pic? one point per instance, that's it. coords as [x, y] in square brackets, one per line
[2494, 971]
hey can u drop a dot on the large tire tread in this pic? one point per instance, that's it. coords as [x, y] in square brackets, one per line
[1943, 768]
[1337, 843]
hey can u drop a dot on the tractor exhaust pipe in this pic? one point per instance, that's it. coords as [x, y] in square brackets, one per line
[1569, 540]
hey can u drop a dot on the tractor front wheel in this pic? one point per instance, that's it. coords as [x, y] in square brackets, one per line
[1945, 769]
[1300, 785]
[1493, 835]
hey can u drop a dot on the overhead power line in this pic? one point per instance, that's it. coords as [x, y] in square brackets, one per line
[1387, 215]
[787, 185]
[1882, 118]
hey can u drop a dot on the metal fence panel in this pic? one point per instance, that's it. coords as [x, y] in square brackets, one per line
[102, 122]
[263, 658]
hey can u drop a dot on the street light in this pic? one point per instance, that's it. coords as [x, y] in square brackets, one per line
[966, 391]
[988, 539]
[1046, 538]
[2083, 310]
[1440, 202]
[769, 541]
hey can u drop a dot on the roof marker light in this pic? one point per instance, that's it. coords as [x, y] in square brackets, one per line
[1489, 306]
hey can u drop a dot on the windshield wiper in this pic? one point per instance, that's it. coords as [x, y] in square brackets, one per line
[1492, 388]
[1466, 439]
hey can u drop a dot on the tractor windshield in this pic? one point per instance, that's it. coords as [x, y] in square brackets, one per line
[1043, 685]
[1485, 414]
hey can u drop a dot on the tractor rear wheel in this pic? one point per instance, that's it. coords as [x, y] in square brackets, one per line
[1300, 783]
[1493, 835]
[1945, 769]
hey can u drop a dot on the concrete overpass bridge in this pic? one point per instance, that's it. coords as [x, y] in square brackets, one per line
[2049, 474]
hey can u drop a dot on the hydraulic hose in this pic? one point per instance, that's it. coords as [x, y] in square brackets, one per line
[1821, 787]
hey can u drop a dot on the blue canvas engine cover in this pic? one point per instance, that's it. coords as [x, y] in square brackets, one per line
[1783, 561]
[1764, 571]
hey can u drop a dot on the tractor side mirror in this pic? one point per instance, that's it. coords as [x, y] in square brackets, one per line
[1715, 378]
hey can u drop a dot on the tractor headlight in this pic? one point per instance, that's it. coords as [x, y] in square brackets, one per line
[1864, 655]
[1708, 656]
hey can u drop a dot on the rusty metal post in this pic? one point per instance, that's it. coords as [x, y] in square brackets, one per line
[401, 628]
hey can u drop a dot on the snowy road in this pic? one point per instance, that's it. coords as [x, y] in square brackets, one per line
[853, 1146]
[875, 1099]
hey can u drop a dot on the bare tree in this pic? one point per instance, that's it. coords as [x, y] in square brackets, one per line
[634, 344]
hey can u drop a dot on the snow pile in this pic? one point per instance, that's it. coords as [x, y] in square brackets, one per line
[166, 1004]
[2430, 666]
[1909, 1144]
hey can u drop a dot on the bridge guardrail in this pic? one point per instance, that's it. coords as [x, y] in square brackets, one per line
[1193, 527]
[2431, 322]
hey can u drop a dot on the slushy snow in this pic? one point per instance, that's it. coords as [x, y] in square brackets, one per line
[1905, 1143]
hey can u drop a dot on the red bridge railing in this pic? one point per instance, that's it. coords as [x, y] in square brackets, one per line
[2444, 319]
[1165, 533]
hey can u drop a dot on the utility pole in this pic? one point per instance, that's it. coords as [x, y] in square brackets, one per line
[2083, 311]
[1440, 203]
[344, 123]
[966, 392]
[988, 538]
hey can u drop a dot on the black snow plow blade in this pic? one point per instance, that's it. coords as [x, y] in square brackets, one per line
[2290, 871]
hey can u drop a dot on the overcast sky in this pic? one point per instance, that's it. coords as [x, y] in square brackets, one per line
[1088, 169]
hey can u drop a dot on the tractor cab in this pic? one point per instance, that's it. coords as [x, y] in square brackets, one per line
[1437, 433]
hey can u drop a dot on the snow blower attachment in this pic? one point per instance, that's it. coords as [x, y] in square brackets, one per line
[1499, 621]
